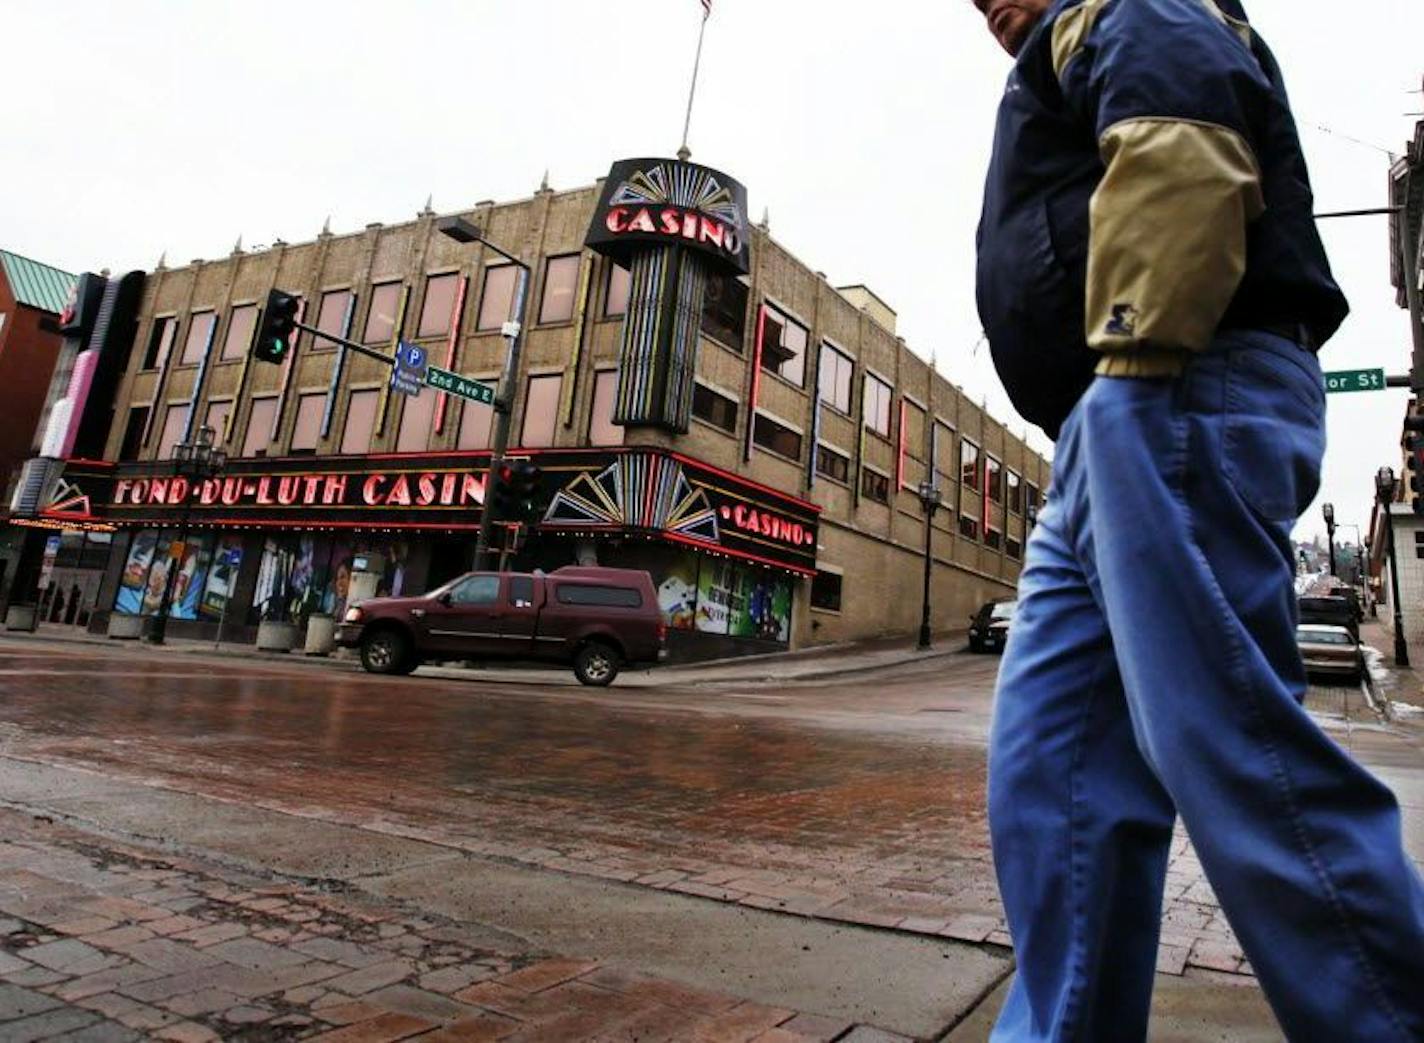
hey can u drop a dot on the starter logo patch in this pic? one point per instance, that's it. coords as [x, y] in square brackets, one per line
[1123, 322]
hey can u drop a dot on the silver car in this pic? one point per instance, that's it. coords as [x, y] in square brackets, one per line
[1330, 650]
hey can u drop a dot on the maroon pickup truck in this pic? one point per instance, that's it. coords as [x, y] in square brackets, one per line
[595, 619]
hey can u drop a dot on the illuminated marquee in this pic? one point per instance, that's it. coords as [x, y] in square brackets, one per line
[375, 489]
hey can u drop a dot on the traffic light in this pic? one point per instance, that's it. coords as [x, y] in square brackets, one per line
[277, 329]
[501, 494]
[1414, 469]
[526, 481]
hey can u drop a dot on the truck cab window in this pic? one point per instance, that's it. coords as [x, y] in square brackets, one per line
[521, 591]
[477, 590]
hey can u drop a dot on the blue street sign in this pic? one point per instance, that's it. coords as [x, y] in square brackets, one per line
[408, 373]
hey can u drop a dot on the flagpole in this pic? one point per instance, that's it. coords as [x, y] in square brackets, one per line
[684, 153]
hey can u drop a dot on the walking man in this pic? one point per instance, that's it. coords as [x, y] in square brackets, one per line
[1154, 292]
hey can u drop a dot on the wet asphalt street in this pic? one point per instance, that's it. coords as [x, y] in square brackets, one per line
[854, 800]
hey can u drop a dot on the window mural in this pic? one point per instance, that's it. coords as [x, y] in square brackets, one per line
[300, 576]
[194, 589]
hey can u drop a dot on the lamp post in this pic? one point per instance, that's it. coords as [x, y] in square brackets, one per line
[463, 231]
[930, 501]
[193, 461]
[1329, 511]
[1384, 490]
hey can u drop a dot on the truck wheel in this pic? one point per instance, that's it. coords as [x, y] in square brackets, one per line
[387, 652]
[596, 664]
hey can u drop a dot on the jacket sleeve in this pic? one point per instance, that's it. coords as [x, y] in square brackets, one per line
[1172, 92]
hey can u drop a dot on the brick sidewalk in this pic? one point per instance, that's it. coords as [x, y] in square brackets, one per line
[102, 942]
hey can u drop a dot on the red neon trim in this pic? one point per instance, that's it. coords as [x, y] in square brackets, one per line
[689, 541]
[900, 450]
[79, 461]
[287, 523]
[756, 379]
[815, 508]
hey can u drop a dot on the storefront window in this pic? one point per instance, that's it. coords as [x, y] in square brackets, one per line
[146, 571]
[299, 576]
[742, 601]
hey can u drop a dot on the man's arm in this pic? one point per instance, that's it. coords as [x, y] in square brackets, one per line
[1170, 88]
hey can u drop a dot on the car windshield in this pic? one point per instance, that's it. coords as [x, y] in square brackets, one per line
[1313, 636]
[1003, 610]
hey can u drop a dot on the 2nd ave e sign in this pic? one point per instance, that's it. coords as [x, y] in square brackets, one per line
[1355, 380]
[454, 384]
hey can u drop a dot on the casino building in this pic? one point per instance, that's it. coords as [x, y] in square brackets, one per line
[700, 403]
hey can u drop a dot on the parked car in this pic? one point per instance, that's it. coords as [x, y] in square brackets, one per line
[594, 619]
[989, 627]
[1334, 610]
[1330, 650]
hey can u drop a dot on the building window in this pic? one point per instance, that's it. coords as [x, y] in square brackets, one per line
[132, 444]
[476, 424]
[1013, 548]
[724, 311]
[615, 293]
[439, 306]
[993, 539]
[968, 527]
[783, 347]
[541, 410]
[914, 433]
[776, 437]
[1032, 501]
[239, 332]
[717, 410]
[874, 485]
[417, 418]
[969, 465]
[1015, 492]
[331, 316]
[834, 378]
[200, 334]
[160, 342]
[560, 285]
[944, 460]
[876, 405]
[259, 426]
[216, 418]
[381, 319]
[173, 423]
[308, 426]
[360, 421]
[834, 465]
[601, 428]
[994, 474]
[496, 298]
[826, 591]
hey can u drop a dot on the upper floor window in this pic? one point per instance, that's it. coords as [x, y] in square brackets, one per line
[417, 421]
[1015, 486]
[835, 376]
[259, 426]
[833, 464]
[717, 410]
[217, 419]
[200, 335]
[601, 428]
[476, 424]
[307, 429]
[560, 286]
[969, 465]
[239, 332]
[914, 433]
[496, 297]
[876, 405]
[994, 475]
[381, 320]
[776, 437]
[132, 445]
[944, 459]
[160, 342]
[541, 410]
[331, 317]
[615, 293]
[783, 347]
[1032, 498]
[724, 310]
[173, 423]
[874, 485]
[360, 420]
[439, 307]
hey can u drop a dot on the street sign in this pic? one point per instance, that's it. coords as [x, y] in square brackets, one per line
[1355, 380]
[463, 387]
[409, 372]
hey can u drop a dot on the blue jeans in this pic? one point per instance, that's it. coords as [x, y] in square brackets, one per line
[1152, 671]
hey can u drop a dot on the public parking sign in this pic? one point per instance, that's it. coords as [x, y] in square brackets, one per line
[462, 387]
[1355, 380]
[408, 374]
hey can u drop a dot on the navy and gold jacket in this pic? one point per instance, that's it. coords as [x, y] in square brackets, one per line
[1147, 188]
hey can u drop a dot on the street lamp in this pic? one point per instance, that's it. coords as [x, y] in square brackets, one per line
[464, 231]
[1329, 511]
[930, 501]
[193, 462]
[1384, 490]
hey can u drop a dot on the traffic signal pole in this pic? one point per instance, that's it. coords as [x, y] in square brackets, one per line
[503, 411]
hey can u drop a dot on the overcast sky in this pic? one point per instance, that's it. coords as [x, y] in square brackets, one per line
[177, 125]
